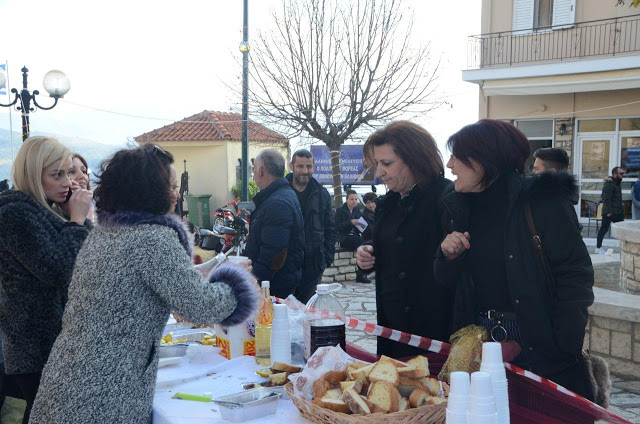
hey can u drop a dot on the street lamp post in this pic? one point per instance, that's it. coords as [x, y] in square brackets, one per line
[55, 83]
[244, 48]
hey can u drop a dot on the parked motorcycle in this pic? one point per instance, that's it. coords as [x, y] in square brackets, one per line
[237, 234]
[224, 216]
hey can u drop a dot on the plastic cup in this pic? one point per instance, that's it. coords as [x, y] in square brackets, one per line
[492, 353]
[482, 419]
[456, 417]
[481, 385]
[460, 383]
[280, 313]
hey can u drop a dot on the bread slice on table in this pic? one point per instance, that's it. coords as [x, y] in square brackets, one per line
[385, 395]
[420, 362]
[404, 404]
[335, 377]
[336, 405]
[375, 409]
[279, 379]
[355, 402]
[320, 387]
[384, 370]
[355, 385]
[417, 398]
[281, 366]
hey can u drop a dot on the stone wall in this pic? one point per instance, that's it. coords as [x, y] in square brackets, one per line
[628, 232]
[343, 268]
[613, 331]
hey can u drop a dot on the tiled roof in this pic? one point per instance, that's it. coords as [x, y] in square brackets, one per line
[210, 126]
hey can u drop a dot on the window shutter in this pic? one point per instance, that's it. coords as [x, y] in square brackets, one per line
[523, 14]
[564, 13]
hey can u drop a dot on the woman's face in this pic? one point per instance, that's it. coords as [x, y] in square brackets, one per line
[174, 195]
[469, 178]
[352, 201]
[55, 180]
[392, 170]
[79, 173]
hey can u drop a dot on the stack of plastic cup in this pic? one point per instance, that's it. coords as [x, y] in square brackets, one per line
[493, 365]
[458, 398]
[280, 335]
[482, 405]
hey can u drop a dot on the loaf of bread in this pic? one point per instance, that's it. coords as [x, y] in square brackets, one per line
[354, 401]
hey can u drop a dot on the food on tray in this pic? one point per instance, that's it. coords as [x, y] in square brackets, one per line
[466, 351]
[168, 340]
[207, 340]
[278, 374]
[386, 386]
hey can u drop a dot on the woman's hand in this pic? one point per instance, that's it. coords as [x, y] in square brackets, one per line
[365, 257]
[78, 205]
[354, 222]
[454, 245]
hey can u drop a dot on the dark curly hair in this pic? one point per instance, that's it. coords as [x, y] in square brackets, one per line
[135, 180]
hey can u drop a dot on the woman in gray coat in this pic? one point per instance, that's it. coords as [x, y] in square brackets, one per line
[131, 272]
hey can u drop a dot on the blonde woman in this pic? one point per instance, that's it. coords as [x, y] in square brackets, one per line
[38, 248]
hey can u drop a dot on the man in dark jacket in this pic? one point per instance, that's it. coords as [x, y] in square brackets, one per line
[349, 230]
[369, 215]
[611, 204]
[276, 233]
[319, 228]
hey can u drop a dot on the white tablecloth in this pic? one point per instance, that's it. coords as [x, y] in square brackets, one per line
[203, 372]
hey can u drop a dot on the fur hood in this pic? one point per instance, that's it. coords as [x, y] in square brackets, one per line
[551, 184]
[131, 218]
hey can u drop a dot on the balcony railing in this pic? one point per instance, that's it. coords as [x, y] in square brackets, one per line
[606, 37]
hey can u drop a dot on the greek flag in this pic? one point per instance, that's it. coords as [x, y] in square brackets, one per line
[3, 89]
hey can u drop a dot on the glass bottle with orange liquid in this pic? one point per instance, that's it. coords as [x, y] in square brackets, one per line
[264, 320]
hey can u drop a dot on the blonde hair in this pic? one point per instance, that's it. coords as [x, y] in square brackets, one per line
[35, 154]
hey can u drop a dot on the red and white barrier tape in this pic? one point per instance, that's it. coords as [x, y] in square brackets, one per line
[443, 348]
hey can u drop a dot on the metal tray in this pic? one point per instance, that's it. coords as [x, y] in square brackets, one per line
[248, 405]
[172, 351]
[277, 389]
[191, 335]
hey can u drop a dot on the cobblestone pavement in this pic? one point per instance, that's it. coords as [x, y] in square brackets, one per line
[359, 302]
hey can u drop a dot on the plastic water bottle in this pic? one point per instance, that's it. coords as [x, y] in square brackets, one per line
[264, 319]
[324, 320]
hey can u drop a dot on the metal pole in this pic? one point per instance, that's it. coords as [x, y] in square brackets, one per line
[25, 101]
[6, 66]
[245, 103]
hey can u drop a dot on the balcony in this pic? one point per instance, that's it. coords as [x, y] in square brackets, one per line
[594, 39]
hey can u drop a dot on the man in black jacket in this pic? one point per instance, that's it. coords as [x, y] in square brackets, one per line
[612, 210]
[319, 228]
[276, 234]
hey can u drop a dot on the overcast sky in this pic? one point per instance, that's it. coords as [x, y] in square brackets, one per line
[171, 59]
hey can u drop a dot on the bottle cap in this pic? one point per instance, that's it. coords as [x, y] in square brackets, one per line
[266, 284]
[328, 288]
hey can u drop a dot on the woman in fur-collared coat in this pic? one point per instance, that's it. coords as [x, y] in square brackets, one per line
[132, 271]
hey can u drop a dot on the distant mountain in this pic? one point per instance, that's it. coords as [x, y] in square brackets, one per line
[92, 151]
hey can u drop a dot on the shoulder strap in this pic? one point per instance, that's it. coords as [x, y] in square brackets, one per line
[537, 244]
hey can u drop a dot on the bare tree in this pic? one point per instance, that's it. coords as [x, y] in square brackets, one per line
[335, 67]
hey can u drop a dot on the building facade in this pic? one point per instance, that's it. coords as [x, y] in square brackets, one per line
[209, 145]
[567, 73]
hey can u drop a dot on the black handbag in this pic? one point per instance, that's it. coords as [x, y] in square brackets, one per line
[596, 366]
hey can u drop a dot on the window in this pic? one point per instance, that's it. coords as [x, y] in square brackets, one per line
[629, 124]
[536, 128]
[596, 125]
[542, 13]
[528, 14]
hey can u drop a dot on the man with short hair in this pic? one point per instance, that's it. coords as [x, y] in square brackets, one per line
[611, 204]
[550, 159]
[276, 233]
[319, 228]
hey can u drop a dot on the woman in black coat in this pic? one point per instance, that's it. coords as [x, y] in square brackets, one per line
[406, 236]
[41, 232]
[490, 258]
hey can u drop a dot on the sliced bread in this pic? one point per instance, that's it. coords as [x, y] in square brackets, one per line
[385, 370]
[417, 398]
[395, 362]
[431, 384]
[412, 372]
[281, 366]
[385, 395]
[320, 387]
[375, 409]
[404, 404]
[354, 401]
[355, 385]
[419, 362]
[333, 394]
[336, 405]
[335, 377]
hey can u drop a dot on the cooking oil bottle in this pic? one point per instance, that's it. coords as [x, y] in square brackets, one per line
[264, 320]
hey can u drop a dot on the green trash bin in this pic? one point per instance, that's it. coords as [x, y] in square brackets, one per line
[199, 210]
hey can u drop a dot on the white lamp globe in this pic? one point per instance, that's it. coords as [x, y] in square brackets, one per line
[56, 83]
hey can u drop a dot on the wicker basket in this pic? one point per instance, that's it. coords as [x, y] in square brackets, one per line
[432, 414]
